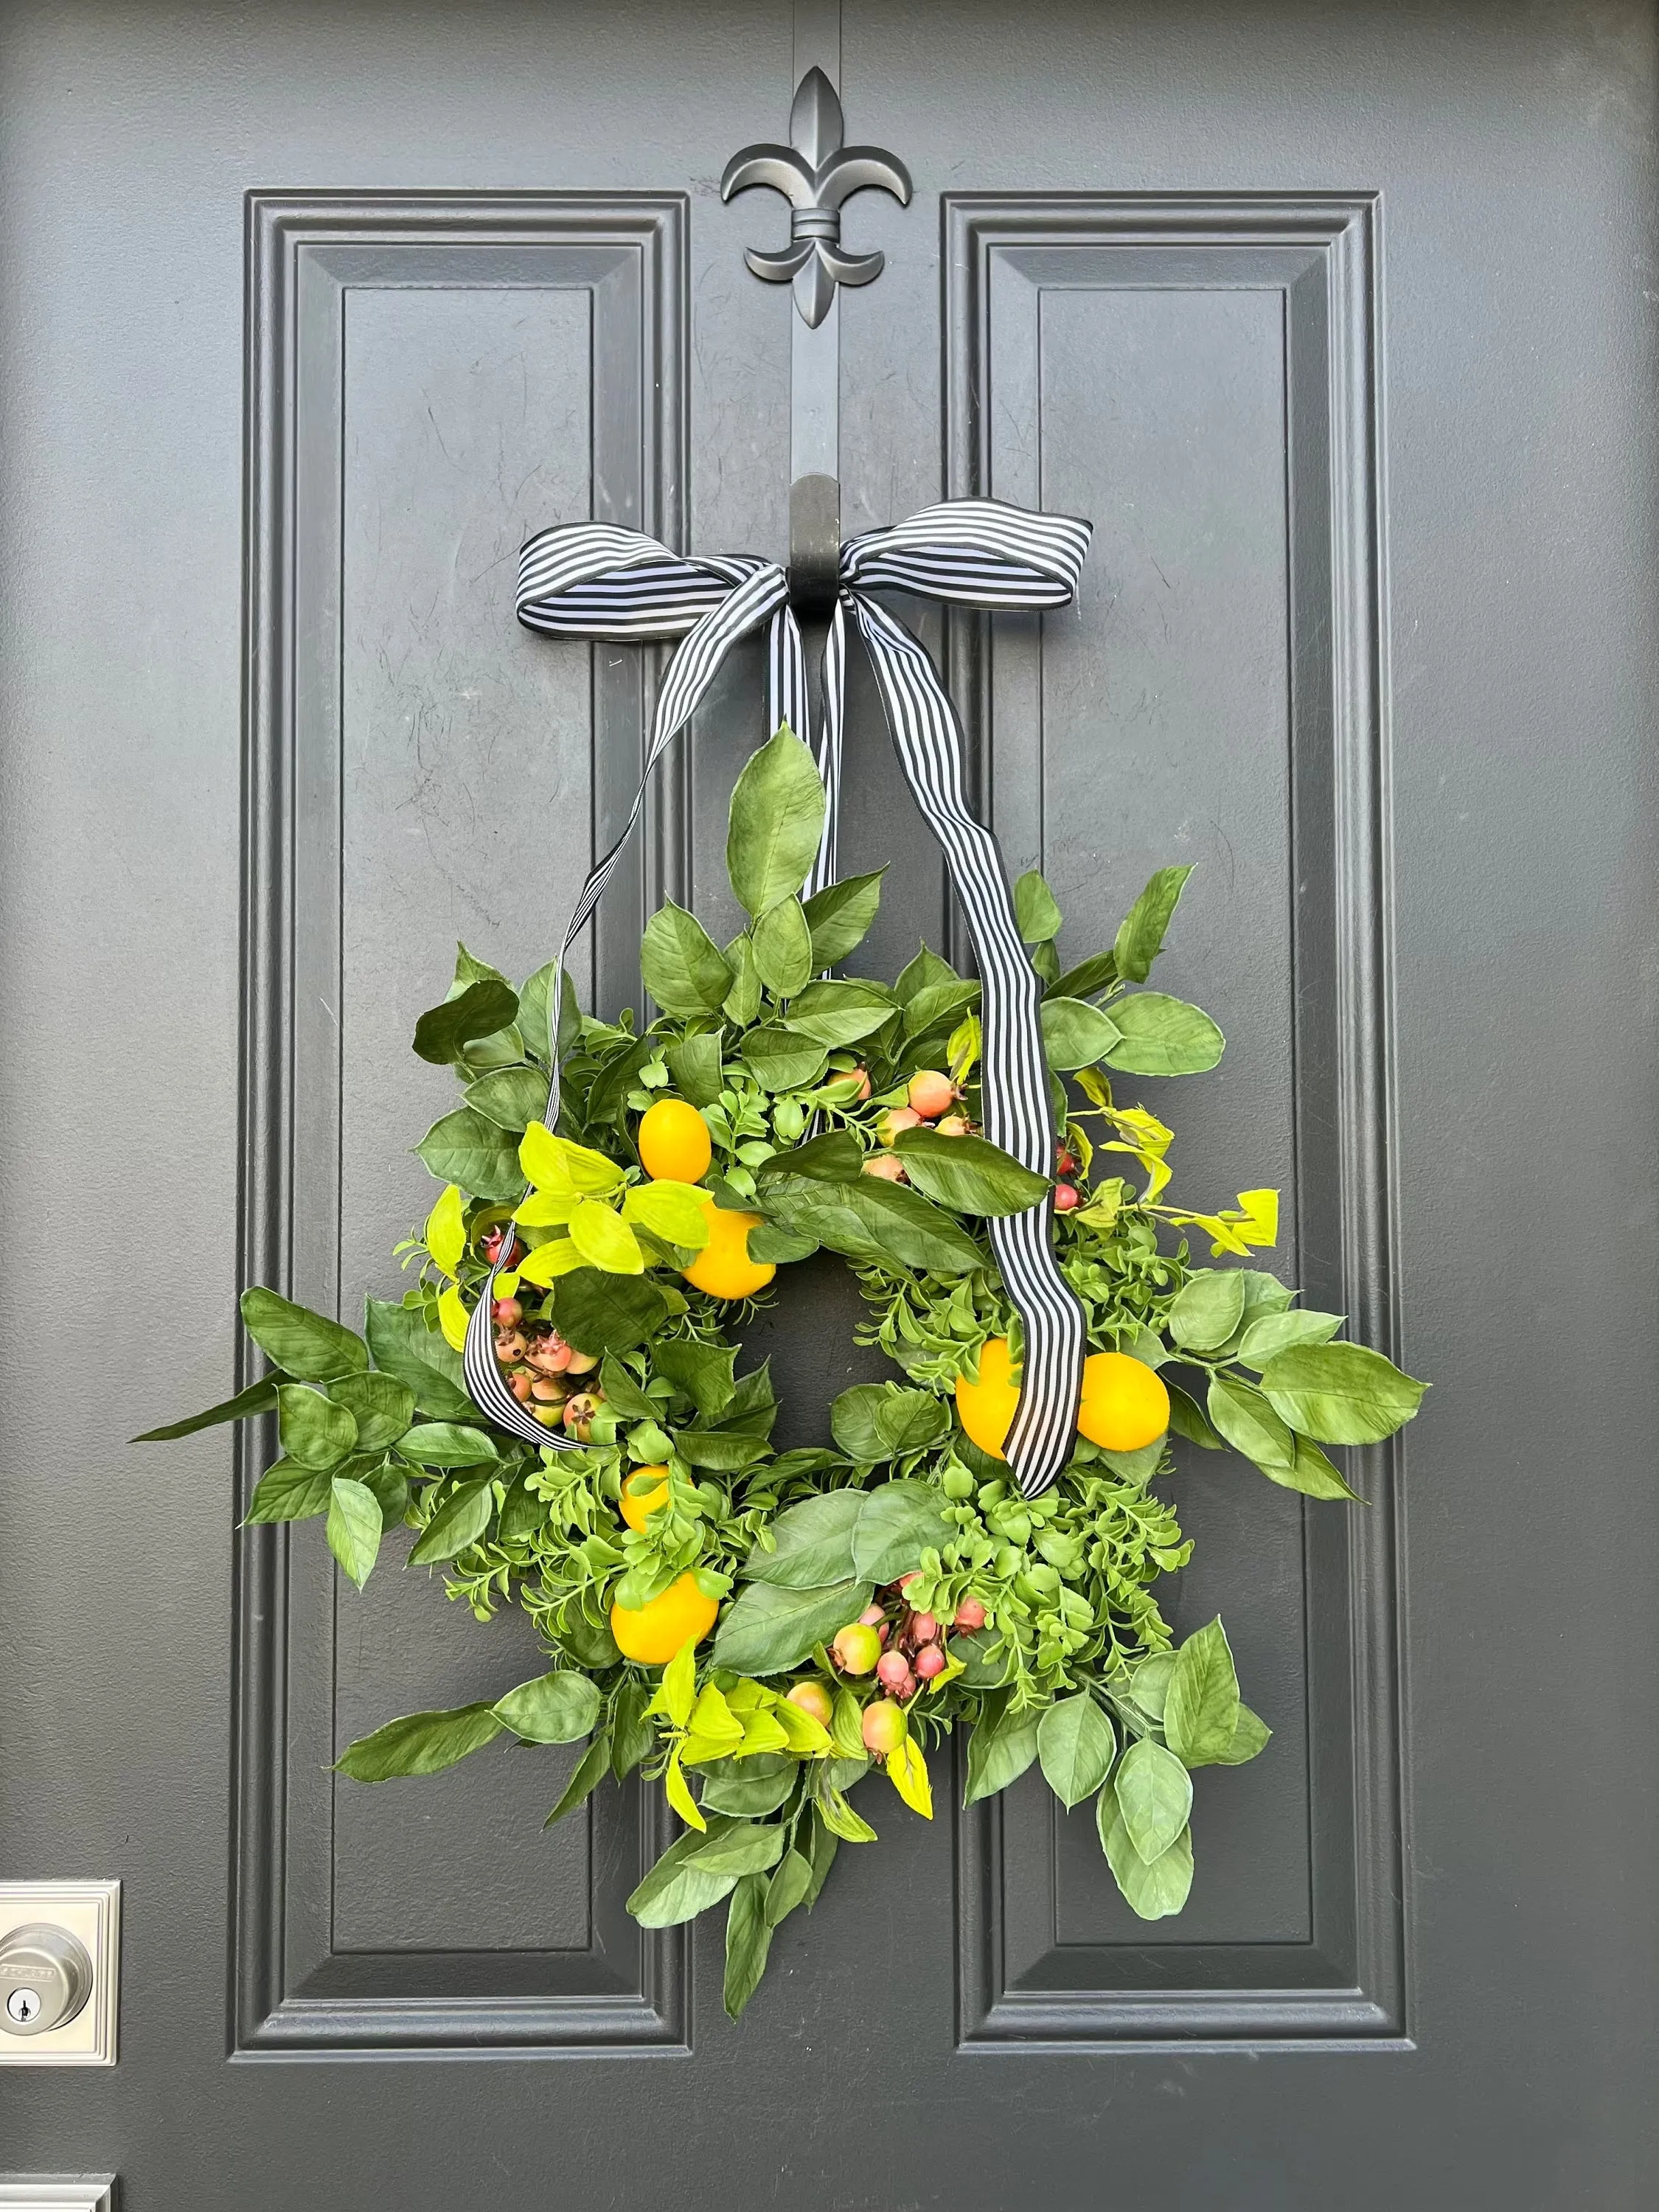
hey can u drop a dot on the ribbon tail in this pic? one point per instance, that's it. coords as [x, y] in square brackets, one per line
[1019, 1116]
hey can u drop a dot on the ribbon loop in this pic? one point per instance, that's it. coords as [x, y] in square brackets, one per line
[598, 581]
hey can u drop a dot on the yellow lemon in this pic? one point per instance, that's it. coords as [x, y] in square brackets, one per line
[653, 1633]
[674, 1143]
[986, 1408]
[638, 1506]
[723, 1267]
[1125, 1404]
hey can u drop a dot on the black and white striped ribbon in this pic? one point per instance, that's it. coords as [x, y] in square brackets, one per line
[595, 581]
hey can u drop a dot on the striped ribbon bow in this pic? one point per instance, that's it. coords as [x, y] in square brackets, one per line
[595, 581]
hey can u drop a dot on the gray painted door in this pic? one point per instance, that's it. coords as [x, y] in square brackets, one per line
[1339, 322]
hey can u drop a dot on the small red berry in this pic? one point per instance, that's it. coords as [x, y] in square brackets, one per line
[930, 1661]
[885, 1727]
[872, 1616]
[856, 1649]
[507, 1313]
[894, 1122]
[1065, 1198]
[893, 1671]
[970, 1615]
[1066, 1160]
[923, 1627]
[813, 1698]
[931, 1094]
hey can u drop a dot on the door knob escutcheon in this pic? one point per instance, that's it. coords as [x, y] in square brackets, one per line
[45, 1978]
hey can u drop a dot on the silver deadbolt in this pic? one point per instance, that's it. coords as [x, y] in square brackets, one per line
[46, 1977]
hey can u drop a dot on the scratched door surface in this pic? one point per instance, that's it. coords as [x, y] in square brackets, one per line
[1337, 322]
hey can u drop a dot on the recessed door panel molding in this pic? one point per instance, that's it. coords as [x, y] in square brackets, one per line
[429, 378]
[1217, 696]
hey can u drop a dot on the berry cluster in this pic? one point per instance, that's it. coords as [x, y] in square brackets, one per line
[904, 1649]
[930, 1096]
[540, 1367]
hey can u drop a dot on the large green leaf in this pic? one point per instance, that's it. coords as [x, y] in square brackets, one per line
[601, 1313]
[970, 1174]
[1153, 1892]
[694, 1065]
[872, 1220]
[676, 1889]
[535, 1018]
[446, 1444]
[419, 1743]
[882, 1420]
[840, 916]
[1250, 1738]
[702, 1371]
[1076, 1745]
[1201, 1705]
[925, 972]
[743, 1002]
[354, 1528]
[748, 1941]
[1036, 909]
[257, 1398]
[776, 821]
[681, 965]
[1206, 1310]
[288, 1492]
[442, 1033]
[900, 1522]
[1341, 1394]
[1076, 1033]
[767, 1629]
[836, 1157]
[939, 1005]
[460, 1521]
[781, 1059]
[723, 1449]
[1140, 936]
[1270, 1334]
[589, 1771]
[1001, 1748]
[511, 1098]
[405, 1347]
[381, 1406]
[1164, 1036]
[1089, 977]
[315, 1432]
[1154, 1796]
[481, 1157]
[1248, 1422]
[812, 1546]
[749, 1788]
[553, 1708]
[306, 1344]
[738, 1847]
[840, 1014]
[783, 943]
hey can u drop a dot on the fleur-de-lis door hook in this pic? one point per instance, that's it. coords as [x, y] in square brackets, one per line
[816, 174]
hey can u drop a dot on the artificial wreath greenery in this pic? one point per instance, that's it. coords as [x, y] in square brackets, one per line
[760, 1631]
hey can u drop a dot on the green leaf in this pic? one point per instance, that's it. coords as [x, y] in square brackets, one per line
[1153, 1892]
[459, 1522]
[1164, 1036]
[1250, 1738]
[781, 1247]
[970, 1174]
[479, 1155]
[838, 1012]
[1035, 909]
[587, 1777]
[315, 1432]
[1076, 1033]
[288, 1492]
[1271, 1334]
[899, 1522]
[743, 1002]
[840, 916]
[553, 1708]
[1001, 1748]
[381, 1406]
[681, 965]
[442, 1033]
[813, 1544]
[600, 1313]
[624, 1394]
[876, 1222]
[257, 1398]
[748, 1789]
[1206, 1310]
[446, 1444]
[305, 1345]
[776, 821]
[694, 1065]
[778, 1059]
[633, 1737]
[354, 1528]
[723, 1449]
[535, 1016]
[939, 1005]
[1187, 1419]
[701, 1371]
[748, 1940]
[419, 1743]
[824, 1843]
[512, 1098]
[1089, 977]
[1076, 1746]
[839, 1817]
[1200, 1709]
[880, 1420]
[766, 1628]
[1154, 1797]
[738, 1847]
[790, 1885]
[676, 1889]
[1250, 1425]
[836, 1157]
[405, 1347]
[981, 1671]
[1341, 1394]
[1140, 936]
[783, 943]
[925, 972]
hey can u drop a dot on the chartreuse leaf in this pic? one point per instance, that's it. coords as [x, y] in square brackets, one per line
[288, 1492]
[404, 1347]
[969, 1174]
[840, 916]
[460, 1521]
[605, 1241]
[1201, 1705]
[464, 1148]
[906, 1769]
[1154, 1797]
[775, 823]
[589, 1772]
[681, 965]
[677, 1693]
[675, 1211]
[812, 1543]
[419, 1743]
[442, 1033]
[782, 943]
[900, 1520]
[544, 1265]
[838, 1816]
[315, 1432]
[1206, 1309]
[354, 1528]
[1163, 1037]
[1341, 1394]
[748, 1940]
[1001, 1748]
[677, 1790]
[1141, 932]
[806, 1737]
[557, 1165]
[382, 1408]
[305, 1345]
[1153, 1892]
[1076, 1745]
[257, 1398]
[446, 1230]
[553, 1708]
[766, 1628]
[1035, 909]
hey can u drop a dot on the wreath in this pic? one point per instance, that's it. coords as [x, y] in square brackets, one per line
[760, 1631]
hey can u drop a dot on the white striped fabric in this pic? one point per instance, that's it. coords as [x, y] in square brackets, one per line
[592, 579]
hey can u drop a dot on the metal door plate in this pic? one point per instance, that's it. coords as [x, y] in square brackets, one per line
[91, 1911]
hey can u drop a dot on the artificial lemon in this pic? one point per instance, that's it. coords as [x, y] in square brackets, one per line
[674, 1143]
[653, 1633]
[723, 1267]
[986, 1408]
[1125, 1404]
[638, 1506]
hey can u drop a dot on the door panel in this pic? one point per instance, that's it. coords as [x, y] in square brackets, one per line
[1336, 321]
